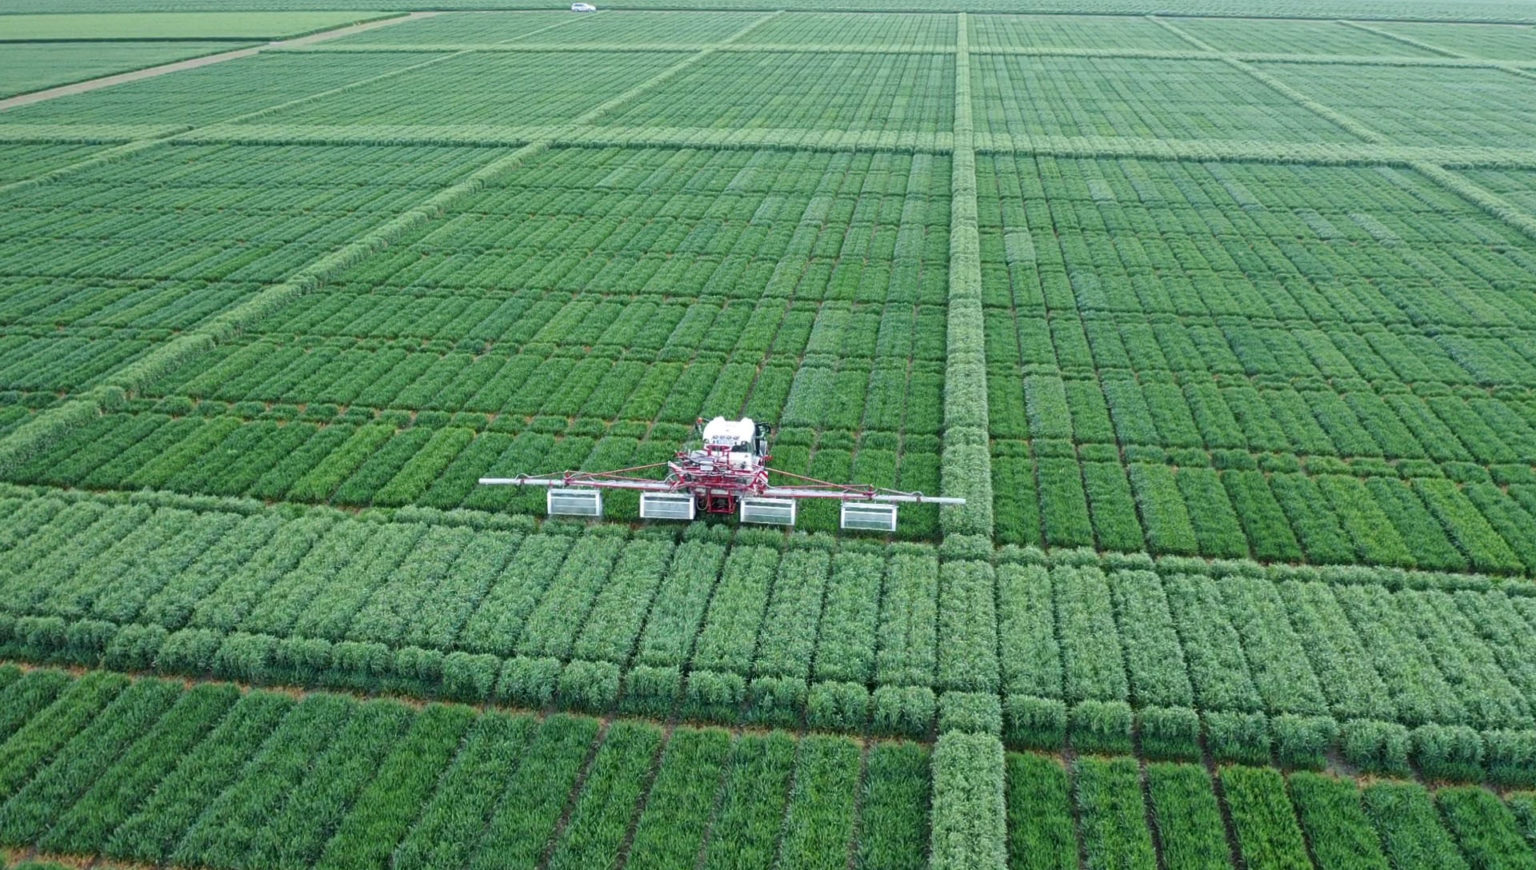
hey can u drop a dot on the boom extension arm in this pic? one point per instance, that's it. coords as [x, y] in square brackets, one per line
[580, 480]
[859, 494]
[840, 493]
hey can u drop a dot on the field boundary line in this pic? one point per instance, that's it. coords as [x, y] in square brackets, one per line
[965, 465]
[195, 62]
[603, 108]
[1474, 61]
[1338, 118]
[1485, 199]
[1405, 40]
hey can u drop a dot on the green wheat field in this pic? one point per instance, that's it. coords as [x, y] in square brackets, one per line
[1224, 326]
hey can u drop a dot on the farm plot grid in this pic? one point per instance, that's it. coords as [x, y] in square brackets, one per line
[1224, 326]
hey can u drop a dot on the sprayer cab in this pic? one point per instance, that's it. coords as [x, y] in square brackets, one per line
[743, 443]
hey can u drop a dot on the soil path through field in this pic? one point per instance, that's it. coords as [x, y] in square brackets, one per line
[194, 63]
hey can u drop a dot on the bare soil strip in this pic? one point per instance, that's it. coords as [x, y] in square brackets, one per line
[194, 63]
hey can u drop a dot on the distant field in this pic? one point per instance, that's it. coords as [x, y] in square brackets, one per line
[165, 26]
[35, 66]
[1224, 327]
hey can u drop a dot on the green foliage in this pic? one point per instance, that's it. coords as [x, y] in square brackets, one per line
[1267, 833]
[1242, 737]
[751, 814]
[1376, 747]
[1409, 827]
[651, 691]
[1112, 813]
[820, 819]
[679, 804]
[1334, 821]
[190, 651]
[244, 657]
[135, 647]
[777, 701]
[359, 665]
[614, 781]
[715, 695]
[837, 706]
[1188, 820]
[1039, 723]
[590, 686]
[1452, 752]
[968, 818]
[907, 710]
[1303, 741]
[529, 682]
[1511, 757]
[1168, 733]
[1040, 832]
[393, 799]
[894, 815]
[421, 670]
[970, 711]
[1484, 828]
[1101, 726]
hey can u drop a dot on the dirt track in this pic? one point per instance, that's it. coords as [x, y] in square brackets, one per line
[194, 63]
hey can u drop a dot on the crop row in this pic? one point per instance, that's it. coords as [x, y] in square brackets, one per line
[61, 363]
[186, 213]
[878, 368]
[35, 66]
[1126, 812]
[1422, 107]
[1302, 37]
[1347, 417]
[849, 28]
[1321, 243]
[812, 90]
[651, 621]
[966, 471]
[515, 27]
[1470, 362]
[1068, 31]
[665, 223]
[1444, 753]
[440, 319]
[1193, 99]
[16, 408]
[1503, 43]
[153, 306]
[151, 771]
[1050, 493]
[222, 91]
[532, 87]
[356, 458]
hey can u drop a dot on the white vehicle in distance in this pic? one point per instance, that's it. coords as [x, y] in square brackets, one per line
[583, 7]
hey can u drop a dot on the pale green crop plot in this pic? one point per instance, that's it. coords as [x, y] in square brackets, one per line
[1069, 31]
[1298, 37]
[1424, 106]
[34, 66]
[1136, 98]
[1494, 41]
[1225, 327]
[181, 26]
